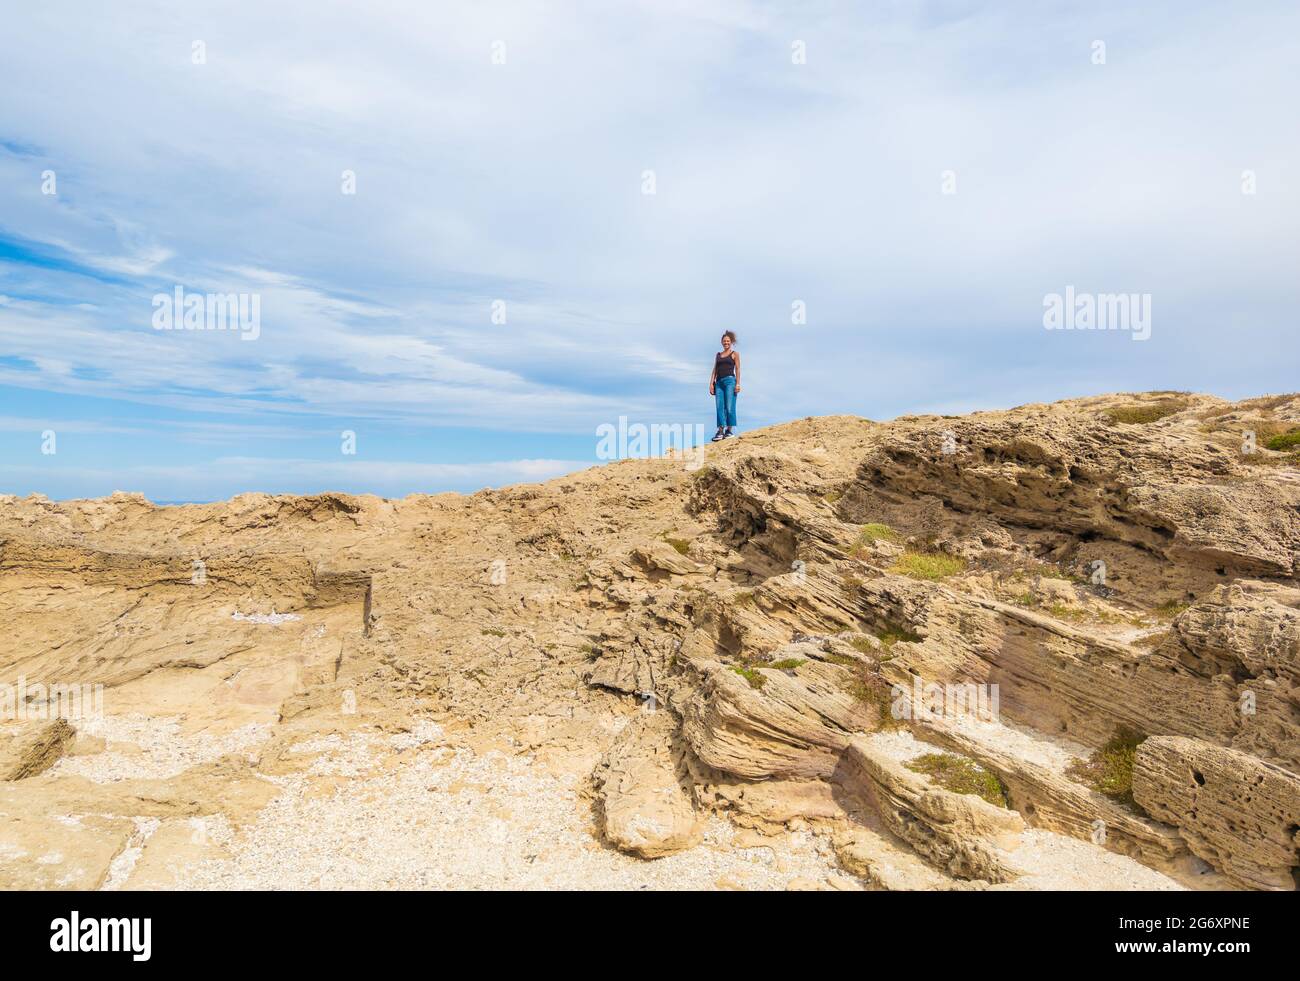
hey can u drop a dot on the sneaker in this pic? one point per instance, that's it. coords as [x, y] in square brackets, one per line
[719, 435]
[730, 432]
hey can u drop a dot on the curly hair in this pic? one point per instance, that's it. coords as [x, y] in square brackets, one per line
[731, 334]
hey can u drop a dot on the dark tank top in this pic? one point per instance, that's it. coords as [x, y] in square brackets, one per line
[726, 367]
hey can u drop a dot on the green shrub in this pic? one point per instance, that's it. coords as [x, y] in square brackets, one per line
[870, 534]
[1055, 572]
[928, 565]
[891, 635]
[1063, 612]
[1110, 769]
[1084, 614]
[786, 664]
[869, 687]
[680, 544]
[876, 532]
[1170, 609]
[860, 643]
[1141, 413]
[755, 679]
[1284, 441]
[961, 776]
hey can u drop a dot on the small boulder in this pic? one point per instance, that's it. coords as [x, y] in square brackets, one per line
[647, 809]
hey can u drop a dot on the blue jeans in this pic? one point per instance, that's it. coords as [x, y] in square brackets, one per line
[725, 396]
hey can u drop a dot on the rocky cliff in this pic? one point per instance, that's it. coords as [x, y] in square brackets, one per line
[1051, 647]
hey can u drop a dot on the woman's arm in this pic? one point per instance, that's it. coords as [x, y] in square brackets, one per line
[713, 376]
[735, 358]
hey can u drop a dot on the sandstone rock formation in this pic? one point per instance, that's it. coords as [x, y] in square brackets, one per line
[959, 833]
[1234, 810]
[646, 808]
[659, 673]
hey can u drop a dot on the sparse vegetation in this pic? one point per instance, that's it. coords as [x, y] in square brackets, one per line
[786, 664]
[1264, 429]
[1261, 460]
[1152, 641]
[1110, 769]
[1042, 570]
[869, 687]
[961, 775]
[1288, 440]
[755, 679]
[891, 635]
[1268, 402]
[769, 593]
[876, 532]
[861, 644]
[1269, 434]
[1055, 572]
[1141, 413]
[1064, 612]
[928, 565]
[1170, 609]
[680, 545]
[1084, 614]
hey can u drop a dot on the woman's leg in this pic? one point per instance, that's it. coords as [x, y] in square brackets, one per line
[731, 404]
[720, 400]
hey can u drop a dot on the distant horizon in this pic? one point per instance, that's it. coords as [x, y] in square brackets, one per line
[433, 248]
[580, 466]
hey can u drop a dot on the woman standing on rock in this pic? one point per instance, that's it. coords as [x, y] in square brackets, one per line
[724, 385]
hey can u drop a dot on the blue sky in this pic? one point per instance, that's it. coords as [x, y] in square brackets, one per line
[522, 182]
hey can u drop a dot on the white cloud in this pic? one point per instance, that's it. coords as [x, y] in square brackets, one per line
[521, 181]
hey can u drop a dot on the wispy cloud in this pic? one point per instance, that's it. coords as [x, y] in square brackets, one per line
[500, 268]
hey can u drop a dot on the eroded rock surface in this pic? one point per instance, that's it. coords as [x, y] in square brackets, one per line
[662, 659]
[1237, 812]
[960, 833]
[646, 802]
